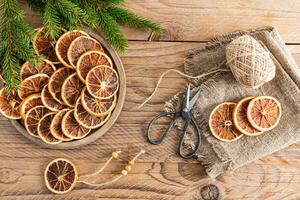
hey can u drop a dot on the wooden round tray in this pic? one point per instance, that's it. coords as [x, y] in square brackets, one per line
[97, 133]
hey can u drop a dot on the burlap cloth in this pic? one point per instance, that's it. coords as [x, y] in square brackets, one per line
[219, 157]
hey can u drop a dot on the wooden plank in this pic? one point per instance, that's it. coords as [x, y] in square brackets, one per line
[159, 174]
[200, 20]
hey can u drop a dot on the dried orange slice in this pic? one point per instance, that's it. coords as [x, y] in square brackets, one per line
[240, 118]
[86, 119]
[32, 119]
[33, 84]
[60, 176]
[45, 46]
[28, 103]
[97, 107]
[56, 81]
[81, 45]
[63, 44]
[71, 90]
[44, 129]
[71, 128]
[91, 59]
[264, 113]
[102, 82]
[56, 128]
[221, 122]
[45, 67]
[9, 106]
[49, 101]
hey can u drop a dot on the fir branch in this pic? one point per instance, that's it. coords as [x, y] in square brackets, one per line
[112, 31]
[15, 37]
[129, 18]
[52, 21]
[71, 13]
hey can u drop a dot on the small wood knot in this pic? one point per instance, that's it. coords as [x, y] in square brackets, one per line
[210, 192]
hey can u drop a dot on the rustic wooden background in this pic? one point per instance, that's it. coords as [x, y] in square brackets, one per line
[160, 174]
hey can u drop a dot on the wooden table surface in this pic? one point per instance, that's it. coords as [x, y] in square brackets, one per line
[160, 174]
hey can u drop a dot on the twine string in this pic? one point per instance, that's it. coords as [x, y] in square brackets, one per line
[101, 169]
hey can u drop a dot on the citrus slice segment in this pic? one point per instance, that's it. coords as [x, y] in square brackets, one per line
[63, 44]
[49, 101]
[44, 46]
[56, 128]
[32, 119]
[9, 106]
[44, 129]
[33, 84]
[102, 82]
[97, 107]
[28, 103]
[56, 81]
[240, 118]
[71, 90]
[71, 128]
[86, 119]
[60, 176]
[81, 45]
[45, 67]
[221, 122]
[264, 113]
[91, 59]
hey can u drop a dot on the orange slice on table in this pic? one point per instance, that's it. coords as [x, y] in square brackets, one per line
[71, 128]
[221, 123]
[97, 107]
[49, 101]
[60, 176]
[45, 46]
[102, 82]
[44, 129]
[9, 106]
[56, 128]
[33, 117]
[28, 103]
[56, 81]
[45, 67]
[91, 59]
[264, 113]
[240, 119]
[86, 119]
[32, 85]
[81, 45]
[63, 44]
[71, 90]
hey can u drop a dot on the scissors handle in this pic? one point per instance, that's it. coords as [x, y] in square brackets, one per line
[171, 115]
[189, 122]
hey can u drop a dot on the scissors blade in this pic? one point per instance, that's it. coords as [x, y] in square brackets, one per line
[194, 99]
[186, 99]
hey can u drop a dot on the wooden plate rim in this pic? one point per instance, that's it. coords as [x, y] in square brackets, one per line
[118, 65]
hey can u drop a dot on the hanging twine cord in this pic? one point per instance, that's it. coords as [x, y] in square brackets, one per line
[182, 74]
[114, 155]
[123, 172]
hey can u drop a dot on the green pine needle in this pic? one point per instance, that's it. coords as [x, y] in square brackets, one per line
[112, 31]
[15, 45]
[129, 18]
[52, 22]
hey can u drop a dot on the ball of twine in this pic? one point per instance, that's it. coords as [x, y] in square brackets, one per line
[249, 62]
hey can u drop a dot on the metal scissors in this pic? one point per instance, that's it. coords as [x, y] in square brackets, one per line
[171, 117]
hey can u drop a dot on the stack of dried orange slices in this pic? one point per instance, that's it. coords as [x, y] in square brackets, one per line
[251, 116]
[73, 91]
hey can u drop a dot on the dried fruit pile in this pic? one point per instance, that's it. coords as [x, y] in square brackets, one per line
[251, 116]
[73, 91]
